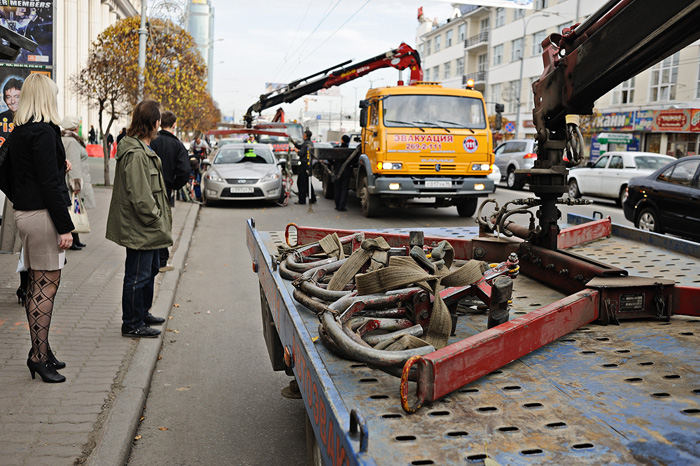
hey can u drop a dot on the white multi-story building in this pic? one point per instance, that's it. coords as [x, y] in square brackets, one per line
[501, 51]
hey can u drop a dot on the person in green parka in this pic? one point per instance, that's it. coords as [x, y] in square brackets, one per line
[140, 218]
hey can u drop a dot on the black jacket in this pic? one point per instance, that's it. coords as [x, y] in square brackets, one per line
[39, 172]
[173, 155]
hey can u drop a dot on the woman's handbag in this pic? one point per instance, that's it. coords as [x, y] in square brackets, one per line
[78, 214]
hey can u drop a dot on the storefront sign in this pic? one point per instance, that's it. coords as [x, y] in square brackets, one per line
[618, 121]
[695, 120]
[672, 120]
[615, 138]
[644, 120]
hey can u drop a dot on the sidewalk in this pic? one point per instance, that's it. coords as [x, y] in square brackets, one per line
[93, 415]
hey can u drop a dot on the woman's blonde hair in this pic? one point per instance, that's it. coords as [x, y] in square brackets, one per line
[37, 101]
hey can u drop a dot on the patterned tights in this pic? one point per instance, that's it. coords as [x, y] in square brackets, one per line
[43, 285]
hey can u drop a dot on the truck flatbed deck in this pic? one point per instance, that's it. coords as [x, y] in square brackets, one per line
[627, 394]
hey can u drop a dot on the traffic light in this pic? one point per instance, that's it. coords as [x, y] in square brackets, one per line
[499, 120]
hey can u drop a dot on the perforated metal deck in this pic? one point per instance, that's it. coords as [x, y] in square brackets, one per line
[627, 394]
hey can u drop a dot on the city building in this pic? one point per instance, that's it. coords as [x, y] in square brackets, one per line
[199, 23]
[500, 48]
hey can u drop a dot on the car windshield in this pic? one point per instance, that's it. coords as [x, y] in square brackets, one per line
[651, 162]
[241, 155]
[434, 110]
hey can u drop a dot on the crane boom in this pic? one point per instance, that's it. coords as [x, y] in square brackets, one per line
[400, 58]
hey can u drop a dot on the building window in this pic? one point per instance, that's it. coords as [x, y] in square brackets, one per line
[541, 4]
[664, 76]
[427, 47]
[421, 49]
[482, 62]
[448, 39]
[462, 32]
[448, 70]
[516, 49]
[512, 97]
[496, 93]
[624, 93]
[498, 55]
[436, 73]
[518, 13]
[484, 25]
[537, 39]
[500, 17]
[438, 40]
[459, 69]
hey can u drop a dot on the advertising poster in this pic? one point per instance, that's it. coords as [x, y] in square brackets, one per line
[11, 80]
[34, 20]
[672, 120]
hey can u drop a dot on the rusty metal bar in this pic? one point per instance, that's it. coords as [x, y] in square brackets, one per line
[686, 300]
[462, 362]
[579, 234]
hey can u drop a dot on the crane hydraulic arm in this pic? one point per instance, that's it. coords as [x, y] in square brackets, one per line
[400, 58]
[583, 63]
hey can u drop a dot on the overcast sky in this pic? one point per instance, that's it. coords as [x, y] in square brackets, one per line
[263, 41]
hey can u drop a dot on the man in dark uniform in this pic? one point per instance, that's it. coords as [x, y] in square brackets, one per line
[341, 179]
[304, 152]
[176, 166]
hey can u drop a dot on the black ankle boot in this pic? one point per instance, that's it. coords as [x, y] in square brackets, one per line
[46, 370]
[21, 296]
[51, 358]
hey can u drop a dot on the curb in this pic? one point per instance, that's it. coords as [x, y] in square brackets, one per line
[114, 445]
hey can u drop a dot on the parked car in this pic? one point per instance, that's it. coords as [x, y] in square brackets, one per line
[513, 155]
[609, 175]
[495, 176]
[667, 200]
[242, 172]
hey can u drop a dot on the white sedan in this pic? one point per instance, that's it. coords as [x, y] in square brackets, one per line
[608, 176]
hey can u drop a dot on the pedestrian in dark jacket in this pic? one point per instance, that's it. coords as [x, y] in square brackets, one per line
[40, 198]
[140, 218]
[92, 137]
[341, 179]
[176, 166]
[303, 176]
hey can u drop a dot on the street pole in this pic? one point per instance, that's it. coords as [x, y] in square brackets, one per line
[143, 36]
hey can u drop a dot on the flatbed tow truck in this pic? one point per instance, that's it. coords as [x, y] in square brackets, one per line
[596, 361]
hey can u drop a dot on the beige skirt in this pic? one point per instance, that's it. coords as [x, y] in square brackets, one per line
[39, 240]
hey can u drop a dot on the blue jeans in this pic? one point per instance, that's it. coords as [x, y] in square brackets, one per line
[140, 271]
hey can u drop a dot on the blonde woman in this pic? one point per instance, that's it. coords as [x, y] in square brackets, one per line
[40, 199]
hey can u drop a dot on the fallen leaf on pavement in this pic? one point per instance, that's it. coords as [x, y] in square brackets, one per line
[162, 428]
[176, 305]
[138, 437]
[182, 389]
[170, 317]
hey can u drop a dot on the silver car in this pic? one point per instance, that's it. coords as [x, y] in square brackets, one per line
[513, 155]
[242, 172]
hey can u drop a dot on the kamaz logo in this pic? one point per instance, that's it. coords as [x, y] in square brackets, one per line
[437, 167]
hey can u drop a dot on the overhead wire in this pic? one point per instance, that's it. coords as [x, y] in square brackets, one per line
[286, 53]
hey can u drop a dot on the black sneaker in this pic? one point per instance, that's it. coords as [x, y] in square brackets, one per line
[150, 319]
[143, 332]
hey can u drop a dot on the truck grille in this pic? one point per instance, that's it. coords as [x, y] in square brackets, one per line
[443, 167]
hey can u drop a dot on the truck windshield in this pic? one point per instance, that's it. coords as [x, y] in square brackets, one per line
[434, 110]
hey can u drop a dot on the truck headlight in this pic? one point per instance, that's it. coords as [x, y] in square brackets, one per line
[479, 187]
[477, 167]
[389, 166]
[394, 186]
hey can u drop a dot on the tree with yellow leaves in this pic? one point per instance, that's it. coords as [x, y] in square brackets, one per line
[175, 75]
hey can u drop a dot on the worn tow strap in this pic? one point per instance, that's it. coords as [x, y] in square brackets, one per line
[356, 261]
[332, 246]
[403, 271]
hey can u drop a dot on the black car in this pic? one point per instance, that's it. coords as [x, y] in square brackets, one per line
[668, 200]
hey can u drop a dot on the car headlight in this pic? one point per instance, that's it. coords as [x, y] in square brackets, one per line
[213, 176]
[389, 165]
[270, 177]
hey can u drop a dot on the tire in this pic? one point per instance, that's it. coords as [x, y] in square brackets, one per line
[648, 220]
[512, 181]
[622, 196]
[369, 202]
[574, 192]
[207, 202]
[328, 186]
[467, 208]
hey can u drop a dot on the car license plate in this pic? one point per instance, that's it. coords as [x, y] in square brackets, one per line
[438, 184]
[242, 189]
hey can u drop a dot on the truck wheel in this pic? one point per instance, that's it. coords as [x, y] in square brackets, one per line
[574, 192]
[513, 181]
[648, 220]
[313, 452]
[328, 187]
[369, 202]
[467, 207]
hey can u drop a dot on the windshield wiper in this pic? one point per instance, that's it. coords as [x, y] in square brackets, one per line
[406, 123]
[434, 124]
[458, 125]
